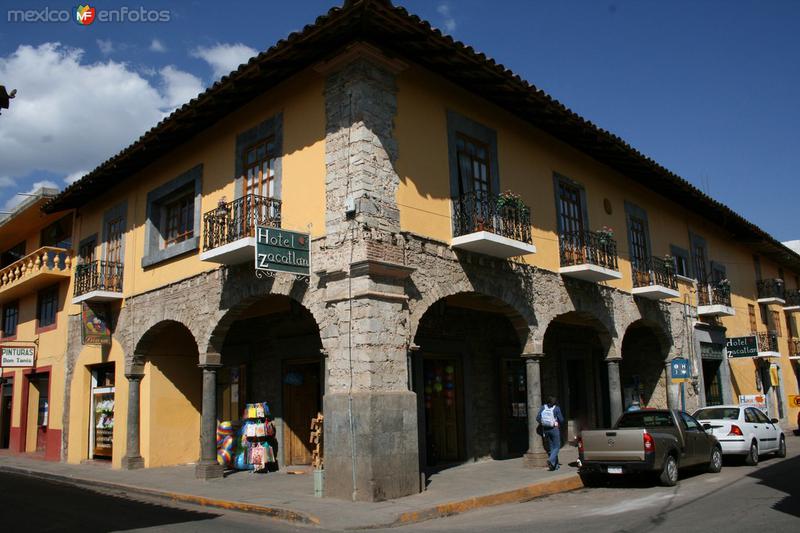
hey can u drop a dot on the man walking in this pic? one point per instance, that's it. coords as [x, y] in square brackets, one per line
[551, 419]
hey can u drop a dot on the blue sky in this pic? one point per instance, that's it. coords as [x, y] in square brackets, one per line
[708, 89]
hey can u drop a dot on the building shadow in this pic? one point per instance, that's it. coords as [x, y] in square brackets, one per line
[783, 476]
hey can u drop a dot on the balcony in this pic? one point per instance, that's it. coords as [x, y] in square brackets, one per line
[98, 281]
[771, 291]
[794, 348]
[494, 225]
[41, 268]
[714, 299]
[229, 231]
[767, 344]
[792, 300]
[655, 279]
[589, 255]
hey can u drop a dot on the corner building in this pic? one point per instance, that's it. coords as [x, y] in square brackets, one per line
[440, 309]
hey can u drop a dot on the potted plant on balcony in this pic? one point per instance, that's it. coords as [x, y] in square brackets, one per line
[605, 235]
[669, 264]
[511, 200]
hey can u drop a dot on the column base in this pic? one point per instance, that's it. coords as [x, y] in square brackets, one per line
[209, 470]
[132, 463]
[535, 459]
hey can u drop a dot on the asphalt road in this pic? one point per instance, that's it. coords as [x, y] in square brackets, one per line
[741, 498]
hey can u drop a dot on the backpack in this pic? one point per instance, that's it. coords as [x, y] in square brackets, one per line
[549, 416]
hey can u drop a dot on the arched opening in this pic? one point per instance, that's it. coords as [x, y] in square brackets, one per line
[470, 381]
[575, 372]
[272, 353]
[171, 395]
[642, 371]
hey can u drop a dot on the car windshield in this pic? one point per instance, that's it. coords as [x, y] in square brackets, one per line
[717, 413]
[645, 419]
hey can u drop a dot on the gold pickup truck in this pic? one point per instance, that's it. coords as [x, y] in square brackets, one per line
[650, 440]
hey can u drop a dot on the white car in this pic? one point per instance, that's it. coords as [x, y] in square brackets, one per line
[743, 431]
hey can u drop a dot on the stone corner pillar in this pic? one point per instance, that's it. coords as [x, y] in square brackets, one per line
[614, 388]
[133, 459]
[536, 456]
[207, 466]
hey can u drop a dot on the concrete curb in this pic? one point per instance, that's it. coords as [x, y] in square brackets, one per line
[273, 512]
[523, 494]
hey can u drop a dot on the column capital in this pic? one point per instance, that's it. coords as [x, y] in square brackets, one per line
[133, 376]
[616, 359]
[532, 356]
[211, 359]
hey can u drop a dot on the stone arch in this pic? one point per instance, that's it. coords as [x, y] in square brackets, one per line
[146, 343]
[605, 331]
[241, 292]
[644, 349]
[508, 302]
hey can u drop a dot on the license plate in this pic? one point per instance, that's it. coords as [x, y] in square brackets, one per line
[614, 469]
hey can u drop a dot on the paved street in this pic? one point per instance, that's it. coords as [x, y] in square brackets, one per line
[741, 498]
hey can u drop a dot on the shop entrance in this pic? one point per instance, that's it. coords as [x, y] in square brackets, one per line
[101, 412]
[302, 402]
[470, 381]
[711, 380]
[6, 396]
[644, 381]
[443, 409]
[38, 412]
[574, 371]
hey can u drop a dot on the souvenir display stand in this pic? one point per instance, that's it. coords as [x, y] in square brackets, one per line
[248, 449]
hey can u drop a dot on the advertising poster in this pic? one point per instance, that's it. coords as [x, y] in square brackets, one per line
[95, 324]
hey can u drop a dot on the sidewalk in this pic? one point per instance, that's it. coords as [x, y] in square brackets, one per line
[291, 496]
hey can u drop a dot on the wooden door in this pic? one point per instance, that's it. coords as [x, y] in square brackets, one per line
[443, 409]
[42, 385]
[301, 402]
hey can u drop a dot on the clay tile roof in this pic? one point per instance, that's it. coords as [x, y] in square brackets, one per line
[405, 35]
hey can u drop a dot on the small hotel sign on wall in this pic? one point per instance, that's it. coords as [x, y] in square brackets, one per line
[279, 250]
[742, 347]
[17, 356]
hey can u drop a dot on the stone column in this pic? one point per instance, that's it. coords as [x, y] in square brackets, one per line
[208, 467]
[614, 388]
[536, 456]
[133, 458]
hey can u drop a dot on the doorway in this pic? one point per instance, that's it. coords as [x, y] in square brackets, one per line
[6, 397]
[514, 406]
[443, 409]
[101, 412]
[712, 381]
[40, 383]
[302, 402]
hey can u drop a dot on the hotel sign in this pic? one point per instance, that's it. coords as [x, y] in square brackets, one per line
[742, 346]
[17, 356]
[280, 250]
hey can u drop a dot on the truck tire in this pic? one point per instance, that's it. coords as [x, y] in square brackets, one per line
[715, 463]
[669, 472]
[751, 459]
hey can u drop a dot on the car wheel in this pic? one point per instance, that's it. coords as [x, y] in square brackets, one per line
[669, 473]
[752, 455]
[715, 464]
[782, 447]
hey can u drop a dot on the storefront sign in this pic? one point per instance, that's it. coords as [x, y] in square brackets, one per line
[17, 356]
[680, 370]
[95, 324]
[759, 401]
[280, 250]
[742, 346]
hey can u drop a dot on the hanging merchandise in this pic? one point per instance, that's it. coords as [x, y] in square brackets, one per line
[252, 451]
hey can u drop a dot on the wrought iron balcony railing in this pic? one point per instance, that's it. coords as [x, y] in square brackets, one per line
[767, 341]
[238, 219]
[592, 247]
[793, 298]
[714, 294]
[473, 212]
[654, 271]
[794, 347]
[98, 276]
[771, 288]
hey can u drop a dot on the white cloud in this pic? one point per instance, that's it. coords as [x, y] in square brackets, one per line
[224, 58]
[71, 178]
[106, 46]
[157, 46]
[70, 115]
[17, 199]
[449, 21]
[179, 86]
